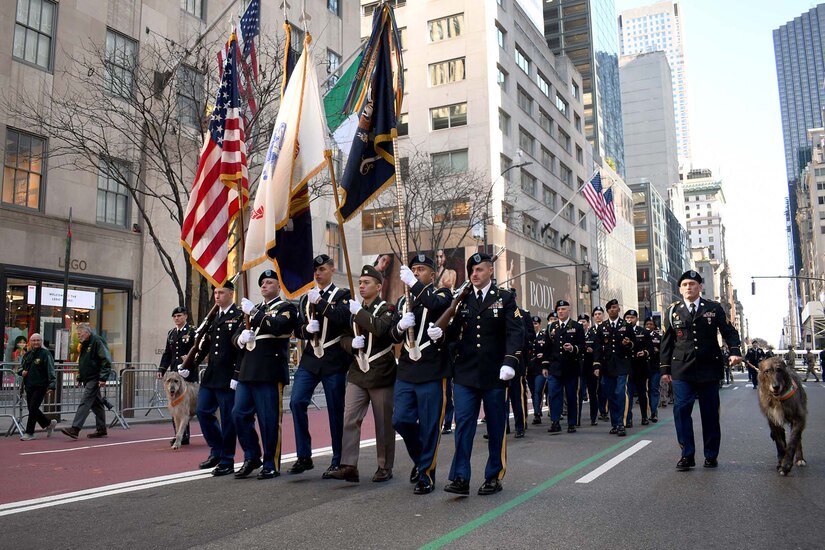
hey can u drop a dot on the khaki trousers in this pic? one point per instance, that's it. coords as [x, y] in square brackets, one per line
[356, 402]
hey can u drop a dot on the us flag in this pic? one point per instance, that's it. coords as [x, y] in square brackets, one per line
[593, 193]
[610, 211]
[222, 170]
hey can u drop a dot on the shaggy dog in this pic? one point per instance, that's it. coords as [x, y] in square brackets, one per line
[783, 401]
[182, 399]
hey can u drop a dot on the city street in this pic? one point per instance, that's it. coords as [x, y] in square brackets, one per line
[559, 492]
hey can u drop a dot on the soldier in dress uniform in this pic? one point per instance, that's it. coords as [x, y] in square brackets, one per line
[655, 375]
[179, 341]
[692, 359]
[422, 381]
[488, 331]
[537, 381]
[639, 369]
[590, 378]
[517, 387]
[370, 380]
[615, 341]
[325, 318]
[597, 318]
[217, 389]
[560, 364]
[262, 373]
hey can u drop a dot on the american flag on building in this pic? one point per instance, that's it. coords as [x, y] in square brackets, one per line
[593, 194]
[610, 211]
[250, 29]
[222, 170]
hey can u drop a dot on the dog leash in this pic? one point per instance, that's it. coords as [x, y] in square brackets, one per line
[790, 393]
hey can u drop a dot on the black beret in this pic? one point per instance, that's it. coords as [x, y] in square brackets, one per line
[370, 271]
[562, 303]
[692, 275]
[321, 259]
[536, 319]
[267, 274]
[632, 312]
[584, 317]
[227, 285]
[598, 308]
[552, 315]
[649, 318]
[611, 303]
[180, 309]
[476, 259]
[422, 259]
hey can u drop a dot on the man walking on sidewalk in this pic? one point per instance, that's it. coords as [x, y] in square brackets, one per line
[94, 366]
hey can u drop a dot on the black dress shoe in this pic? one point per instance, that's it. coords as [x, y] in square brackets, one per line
[594, 423]
[268, 473]
[571, 429]
[490, 487]
[711, 463]
[301, 465]
[210, 462]
[614, 430]
[414, 475]
[685, 463]
[446, 430]
[458, 487]
[223, 470]
[328, 474]
[536, 420]
[423, 487]
[248, 467]
[645, 421]
[382, 474]
[620, 431]
[519, 434]
[654, 419]
[629, 424]
[554, 427]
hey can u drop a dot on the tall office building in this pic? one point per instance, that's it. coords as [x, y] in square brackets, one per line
[658, 27]
[799, 48]
[585, 31]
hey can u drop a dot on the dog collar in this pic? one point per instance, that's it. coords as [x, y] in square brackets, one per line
[176, 401]
[791, 391]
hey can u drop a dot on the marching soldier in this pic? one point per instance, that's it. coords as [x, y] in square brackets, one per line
[615, 341]
[562, 349]
[217, 389]
[324, 314]
[639, 369]
[590, 377]
[422, 381]
[517, 390]
[179, 341]
[597, 320]
[691, 358]
[535, 378]
[655, 375]
[262, 373]
[370, 381]
[488, 331]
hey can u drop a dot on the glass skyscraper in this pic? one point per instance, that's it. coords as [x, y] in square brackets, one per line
[585, 30]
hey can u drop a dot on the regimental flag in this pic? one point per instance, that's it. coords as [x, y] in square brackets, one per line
[213, 203]
[280, 224]
[610, 211]
[593, 194]
[376, 94]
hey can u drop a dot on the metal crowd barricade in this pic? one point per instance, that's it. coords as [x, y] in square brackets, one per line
[12, 402]
[141, 390]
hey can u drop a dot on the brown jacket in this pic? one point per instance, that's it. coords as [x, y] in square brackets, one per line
[374, 321]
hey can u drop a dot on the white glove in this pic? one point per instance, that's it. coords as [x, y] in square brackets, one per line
[233, 384]
[184, 372]
[247, 306]
[434, 332]
[407, 321]
[407, 276]
[358, 342]
[314, 295]
[354, 307]
[506, 373]
[246, 336]
[313, 326]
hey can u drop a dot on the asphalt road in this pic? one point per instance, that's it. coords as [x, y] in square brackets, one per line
[642, 502]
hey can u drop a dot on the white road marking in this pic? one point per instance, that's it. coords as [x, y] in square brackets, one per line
[736, 387]
[70, 449]
[613, 462]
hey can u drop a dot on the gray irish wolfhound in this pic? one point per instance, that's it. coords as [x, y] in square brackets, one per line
[783, 401]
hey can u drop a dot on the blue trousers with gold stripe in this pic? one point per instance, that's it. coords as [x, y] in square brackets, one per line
[559, 387]
[468, 403]
[264, 400]
[417, 417]
[685, 394]
[615, 388]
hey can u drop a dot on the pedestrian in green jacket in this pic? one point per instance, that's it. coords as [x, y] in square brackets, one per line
[94, 367]
[37, 370]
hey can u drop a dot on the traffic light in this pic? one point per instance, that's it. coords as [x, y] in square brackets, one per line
[594, 280]
[753, 288]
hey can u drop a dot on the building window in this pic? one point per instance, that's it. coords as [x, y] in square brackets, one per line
[452, 210]
[446, 27]
[334, 7]
[568, 247]
[445, 72]
[525, 102]
[564, 139]
[501, 35]
[112, 194]
[548, 160]
[33, 32]
[190, 96]
[566, 175]
[583, 253]
[522, 61]
[551, 238]
[526, 142]
[381, 218]
[121, 54]
[550, 198]
[576, 93]
[296, 40]
[577, 121]
[567, 212]
[194, 7]
[528, 183]
[333, 241]
[23, 169]
[451, 162]
[582, 222]
[504, 122]
[402, 38]
[403, 124]
[528, 227]
[501, 78]
[561, 104]
[506, 213]
[579, 155]
[449, 116]
[545, 122]
[333, 64]
[543, 84]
